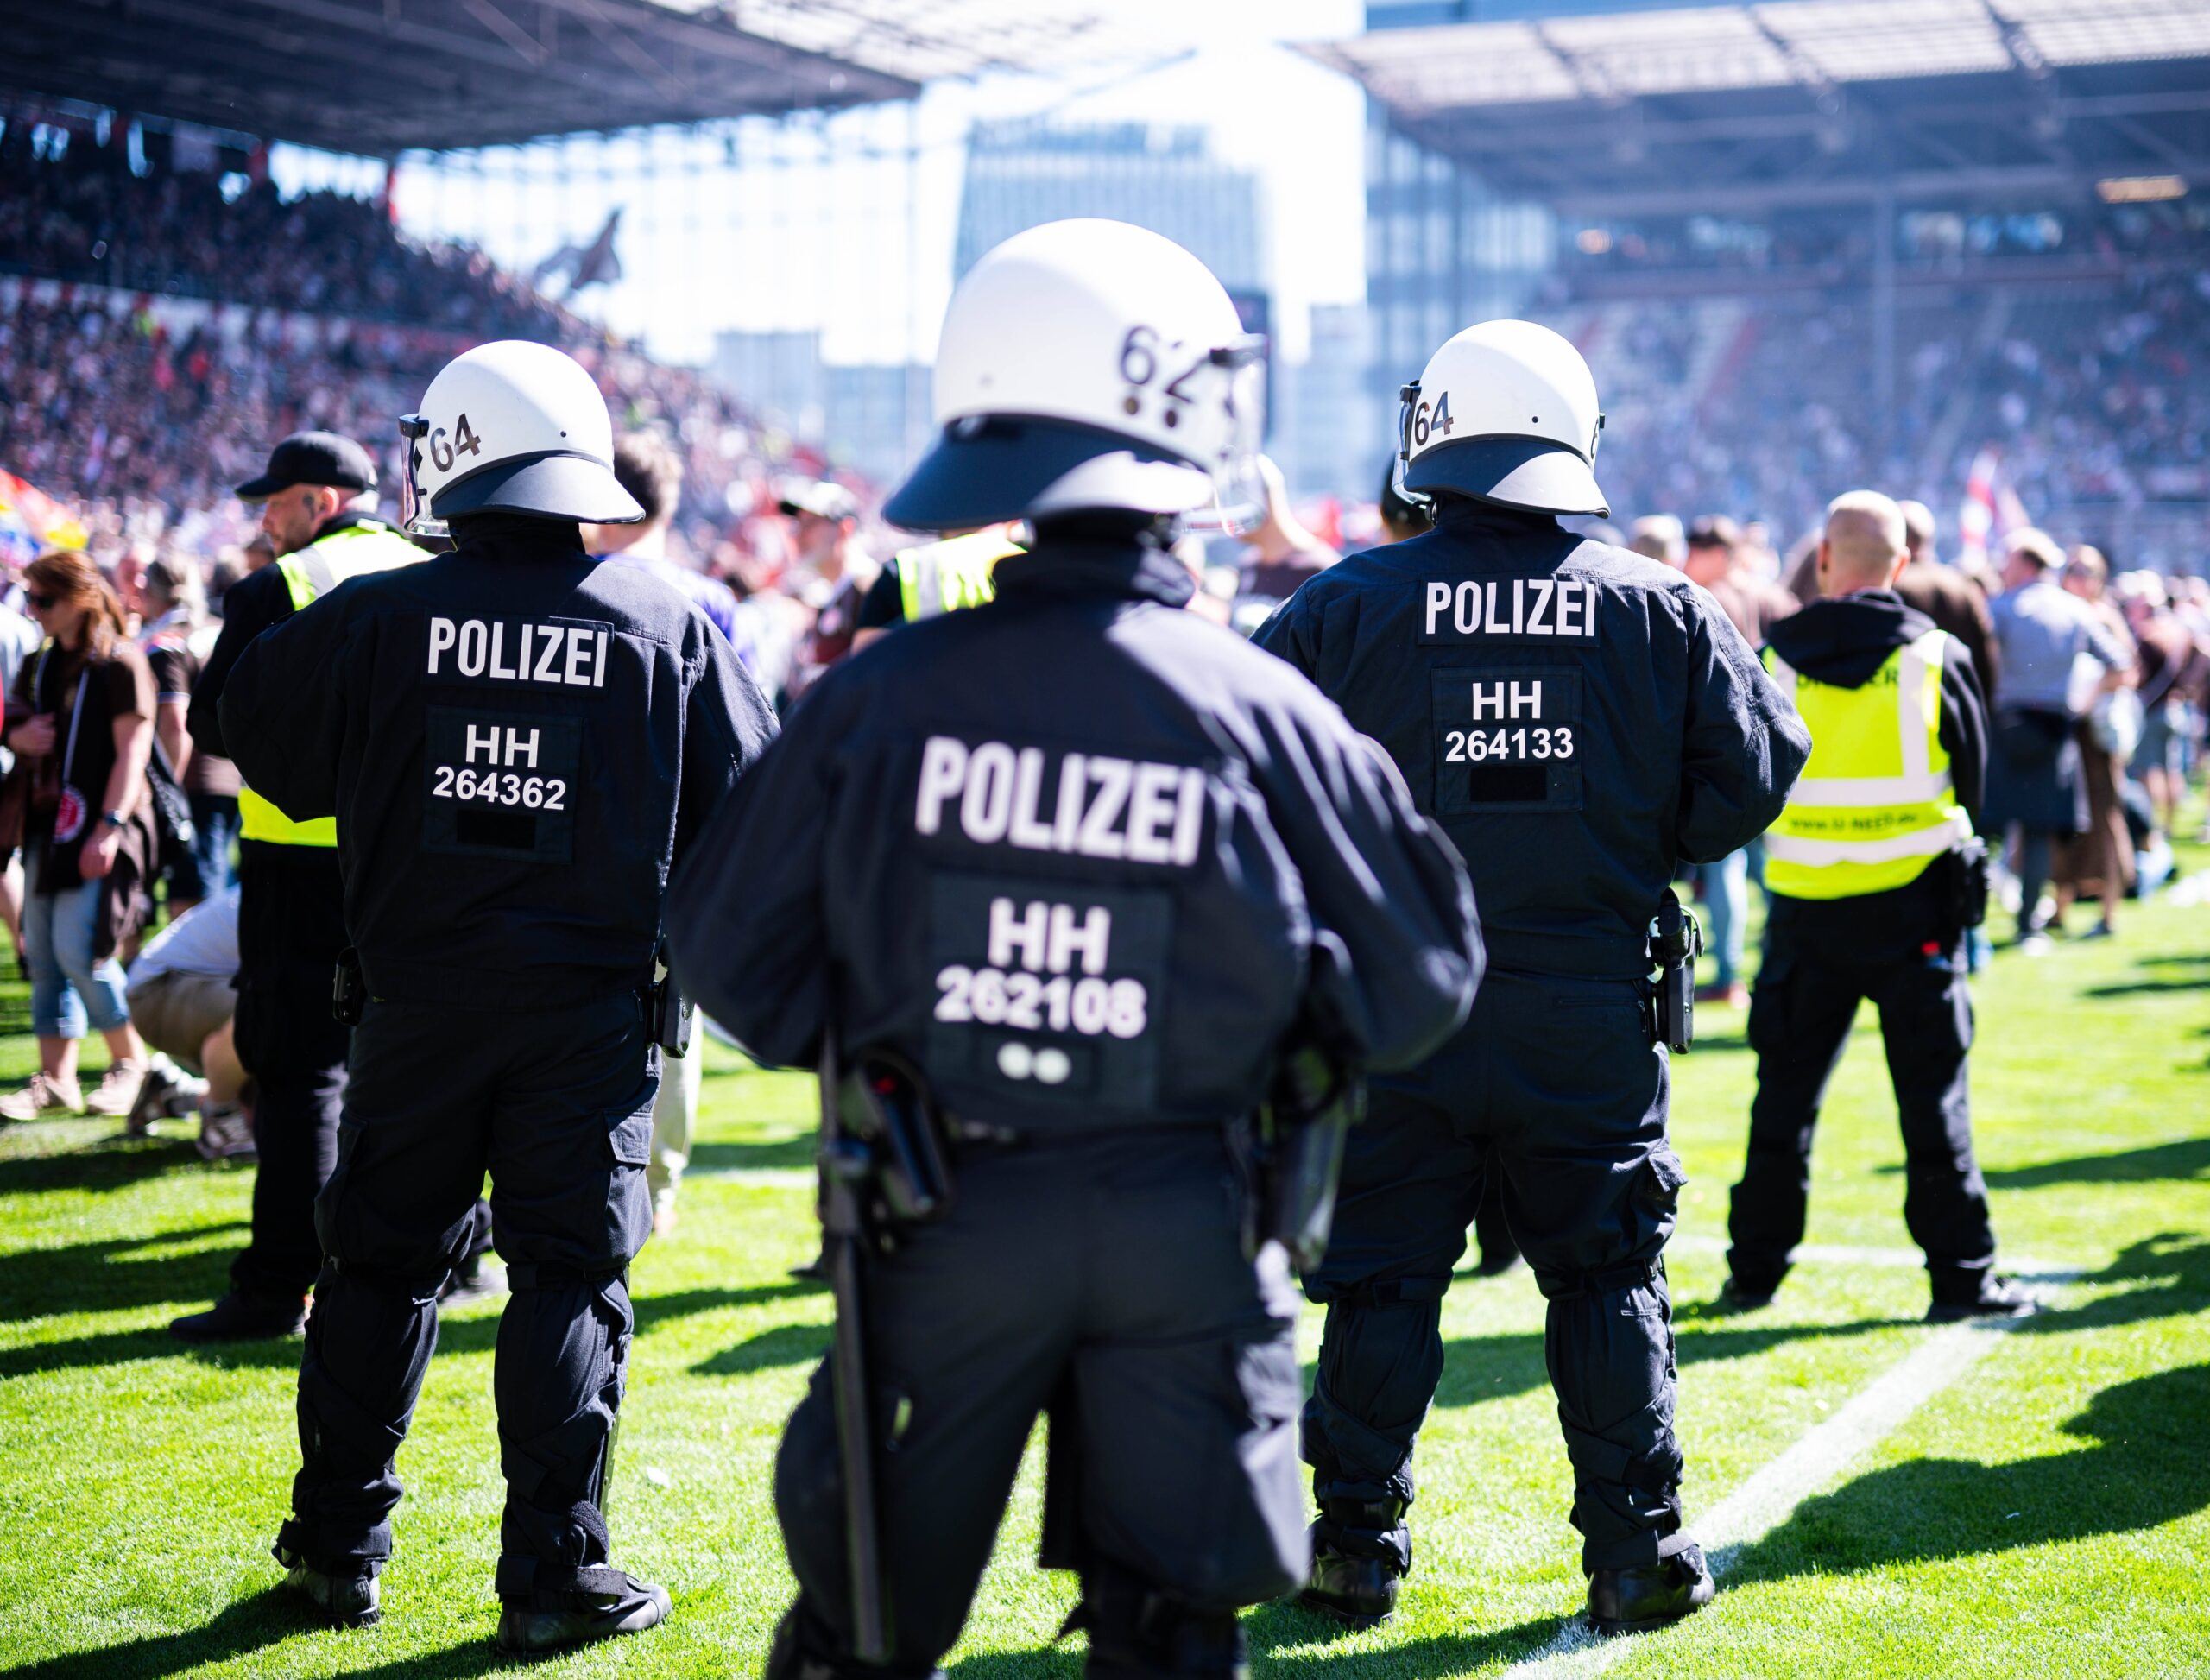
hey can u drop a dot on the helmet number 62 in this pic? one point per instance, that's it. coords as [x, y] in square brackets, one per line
[465, 442]
[1436, 425]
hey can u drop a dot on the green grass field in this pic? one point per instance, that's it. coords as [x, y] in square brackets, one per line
[2029, 1502]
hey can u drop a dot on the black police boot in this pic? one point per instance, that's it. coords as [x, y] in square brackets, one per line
[1629, 1601]
[1746, 1295]
[1137, 1632]
[1984, 1295]
[788, 1659]
[344, 1600]
[1361, 1550]
[541, 1621]
[240, 1316]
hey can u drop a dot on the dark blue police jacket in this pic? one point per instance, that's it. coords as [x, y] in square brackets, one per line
[1084, 856]
[515, 739]
[1576, 717]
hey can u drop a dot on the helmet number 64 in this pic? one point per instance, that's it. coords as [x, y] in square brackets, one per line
[1436, 425]
[465, 442]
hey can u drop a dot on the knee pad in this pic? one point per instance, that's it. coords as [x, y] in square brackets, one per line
[1138, 1630]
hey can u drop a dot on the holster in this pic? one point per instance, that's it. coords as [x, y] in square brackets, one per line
[1966, 872]
[1292, 1153]
[668, 1012]
[1676, 941]
[349, 988]
[884, 1104]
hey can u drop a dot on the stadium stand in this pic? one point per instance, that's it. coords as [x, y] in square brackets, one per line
[154, 334]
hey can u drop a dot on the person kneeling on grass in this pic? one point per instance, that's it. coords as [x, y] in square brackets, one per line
[183, 994]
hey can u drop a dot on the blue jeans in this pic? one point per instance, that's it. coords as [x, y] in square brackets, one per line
[67, 985]
[1726, 901]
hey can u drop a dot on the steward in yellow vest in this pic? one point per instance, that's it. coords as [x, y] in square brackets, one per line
[934, 578]
[1871, 872]
[291, 896]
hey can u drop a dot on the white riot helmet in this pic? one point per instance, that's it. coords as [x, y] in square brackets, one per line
[1090, 365]
[511, 427]
[1505, 412]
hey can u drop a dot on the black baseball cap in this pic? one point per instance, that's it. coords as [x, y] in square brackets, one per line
[313, 458]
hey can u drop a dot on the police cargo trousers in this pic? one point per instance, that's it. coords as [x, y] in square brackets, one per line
[1102, 1277]
[1819, 960]
[556, 1103]
[1555, 1085]
[291, 929]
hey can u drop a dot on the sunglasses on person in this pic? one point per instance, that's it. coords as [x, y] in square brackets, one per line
[43, 603]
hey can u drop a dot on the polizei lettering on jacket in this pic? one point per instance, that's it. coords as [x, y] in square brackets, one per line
[568, 652]
[1082, 803]
[1511, 609]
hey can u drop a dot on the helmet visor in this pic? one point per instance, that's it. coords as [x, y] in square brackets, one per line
[414, 516]
[1238, 504]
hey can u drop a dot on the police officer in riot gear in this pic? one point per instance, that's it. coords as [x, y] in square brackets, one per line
[1094, 867]
[1578, 719]
[515, 743]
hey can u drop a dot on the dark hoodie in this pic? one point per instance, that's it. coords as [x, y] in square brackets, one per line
[1843, 641]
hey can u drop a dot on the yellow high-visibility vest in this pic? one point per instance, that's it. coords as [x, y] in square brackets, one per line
[311, 572]
[959, 571]
[1875, 803]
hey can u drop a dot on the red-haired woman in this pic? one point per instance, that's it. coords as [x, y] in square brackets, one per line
[80, 720]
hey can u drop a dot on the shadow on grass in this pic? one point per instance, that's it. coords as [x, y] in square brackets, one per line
[2149, 985]
[2173, 1274]
[1495, 1367]
[246, 1627]
[787, 1344]
[744, 1157]
[474, 1334]
[1276, 1630]
[2186, 1158]
[102, 1277]
[2148, 1468]
[1275, 1627]
[114, 1163]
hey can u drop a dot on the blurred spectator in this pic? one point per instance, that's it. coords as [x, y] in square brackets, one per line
[79, 719]
[1945, 595]
[1713, 558]
[2057, 656]
[834, 573]
[1281, 553]
[1661, 537]
[19, 641]
[2174, 670]
[2099, 864]
[177, 639]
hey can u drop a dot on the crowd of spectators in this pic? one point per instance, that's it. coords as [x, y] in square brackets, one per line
[2093, 403]
[2115, 731]
[84, 215]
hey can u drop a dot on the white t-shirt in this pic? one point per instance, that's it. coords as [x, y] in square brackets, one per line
[203, 940]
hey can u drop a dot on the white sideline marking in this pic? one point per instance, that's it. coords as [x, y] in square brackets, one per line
[1908, 1260]
[1769, 1497]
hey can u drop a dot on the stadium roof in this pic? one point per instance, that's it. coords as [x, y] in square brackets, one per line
[1810, 101]
[385, 76]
